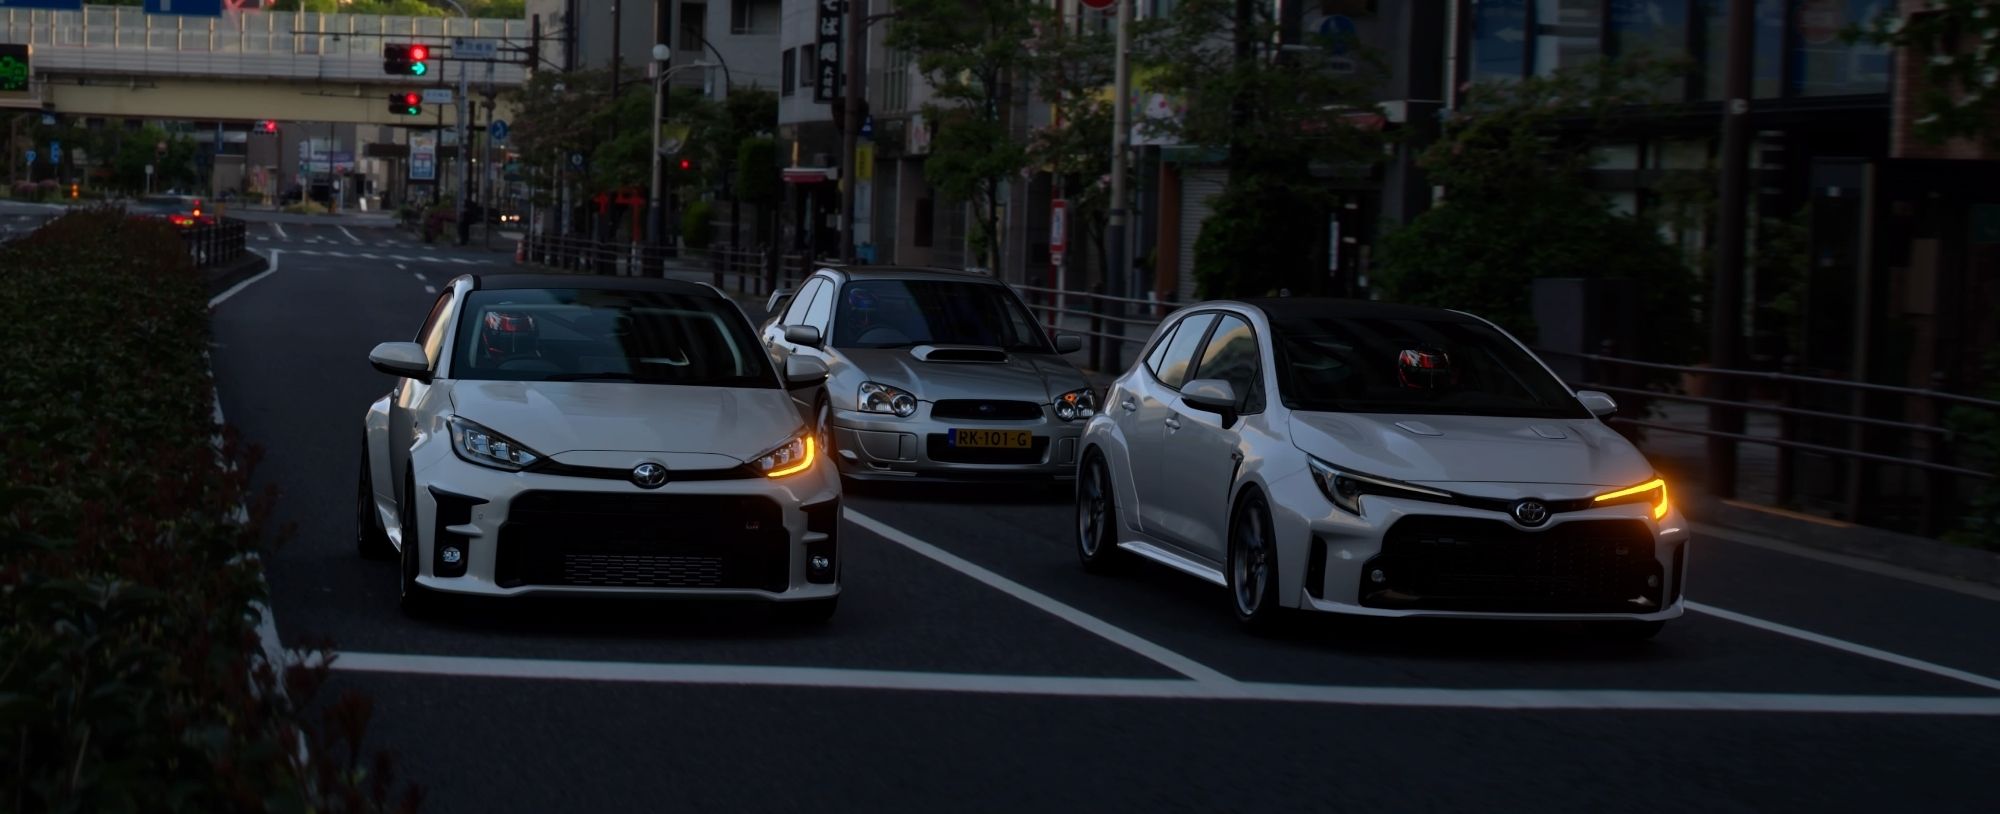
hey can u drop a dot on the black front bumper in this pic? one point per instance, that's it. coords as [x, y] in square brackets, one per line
[1489, 566]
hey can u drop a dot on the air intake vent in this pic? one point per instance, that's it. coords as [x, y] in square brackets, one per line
[931, 353]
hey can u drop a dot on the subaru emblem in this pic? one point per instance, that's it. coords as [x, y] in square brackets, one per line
[1531, 512]
[649, 476]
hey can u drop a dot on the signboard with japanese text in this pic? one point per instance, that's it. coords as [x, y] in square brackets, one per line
[423, 158]
[827, 45]
[16, 69]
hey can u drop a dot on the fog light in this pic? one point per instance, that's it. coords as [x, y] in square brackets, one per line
[1376, 576]
[1653, 581]
[452, 555]
[821, 563]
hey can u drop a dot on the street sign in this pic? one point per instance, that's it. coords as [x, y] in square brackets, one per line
[868, 126]
[470, 48]
[48, 120]
[497, 130]
[576, 161]
[149, 169]
[437, 96]
[864, 162]
[185, 8]
[31, 156]
[423, 158]
[1058, 227]
[55, 152]
[15, 71]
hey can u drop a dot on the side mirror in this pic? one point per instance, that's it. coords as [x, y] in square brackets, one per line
[1212, 395]
[1599, 404]
[403, 359]
[804, 371]
[802, 335]
[777, 298]
[1068, 343]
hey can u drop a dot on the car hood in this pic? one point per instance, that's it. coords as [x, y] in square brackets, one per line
[1023, 376]
[553, 418]
[1442, 449]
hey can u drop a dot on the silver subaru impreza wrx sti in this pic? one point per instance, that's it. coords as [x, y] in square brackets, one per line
[935, 374]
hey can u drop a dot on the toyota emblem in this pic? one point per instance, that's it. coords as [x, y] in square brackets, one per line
[1531, 512]
[649, 476]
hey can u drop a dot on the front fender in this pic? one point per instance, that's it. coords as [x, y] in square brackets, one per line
[1104, 435]
[375, 436]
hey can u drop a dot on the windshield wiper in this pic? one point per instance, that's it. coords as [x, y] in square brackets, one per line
[591, 377]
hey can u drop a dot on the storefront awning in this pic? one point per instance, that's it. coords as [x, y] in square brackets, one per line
[810, 175]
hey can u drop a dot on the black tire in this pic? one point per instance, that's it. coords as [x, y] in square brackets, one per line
[1627, 631]
[1252, 569]
[416, 601]
[371, 541]
[810, 611]
[1097, 518]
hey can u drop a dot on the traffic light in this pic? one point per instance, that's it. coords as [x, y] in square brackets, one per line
[267, 127]
[405, 59]
[409, 103]
[686, 165]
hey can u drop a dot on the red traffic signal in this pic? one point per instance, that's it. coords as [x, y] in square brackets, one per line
[686, 165]
[267, 126]
[413, 99]
[419, 53]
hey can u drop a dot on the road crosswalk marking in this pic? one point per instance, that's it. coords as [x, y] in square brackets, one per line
[392, 257]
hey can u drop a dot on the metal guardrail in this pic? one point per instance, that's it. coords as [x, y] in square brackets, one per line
[1873, 442]
[214, 244]
[1112, 325]
[749, 272]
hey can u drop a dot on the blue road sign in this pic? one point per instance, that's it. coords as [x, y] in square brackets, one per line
[55, 152]
[868, 126]
[31, 156]
[184, 8]
[1340, 32]
[498, 129]
[59, 5]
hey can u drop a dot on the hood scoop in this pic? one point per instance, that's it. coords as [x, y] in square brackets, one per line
[974, 354]
[1419, 428]
[1550, 432]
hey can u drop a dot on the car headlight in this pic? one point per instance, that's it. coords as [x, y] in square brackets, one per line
[1346, 488]
[1076, 404]
[1653, 491]
[877, 397]
[790, 458]
[477, 444]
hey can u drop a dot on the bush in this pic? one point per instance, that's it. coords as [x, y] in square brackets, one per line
[305, 208]
[132, 679]
[25, 191]
[698, 225]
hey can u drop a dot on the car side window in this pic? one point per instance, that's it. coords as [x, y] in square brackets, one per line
[1179, 358]
[795, 310]
[820, 312]
[1231, 355]
[432, 335]
[1159, 354]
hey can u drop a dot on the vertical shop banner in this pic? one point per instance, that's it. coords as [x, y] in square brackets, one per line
[826, 63]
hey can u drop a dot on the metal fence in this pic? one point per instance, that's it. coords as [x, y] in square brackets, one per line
[213, 244]
[1114, 328]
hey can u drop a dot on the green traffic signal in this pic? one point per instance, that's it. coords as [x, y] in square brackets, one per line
[419, 68]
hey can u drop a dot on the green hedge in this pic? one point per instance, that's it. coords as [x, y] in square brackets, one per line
[131, 678]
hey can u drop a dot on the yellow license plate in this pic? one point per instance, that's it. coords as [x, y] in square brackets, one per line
[992, 439]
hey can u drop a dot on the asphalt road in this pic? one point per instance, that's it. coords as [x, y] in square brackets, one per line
[974, 667]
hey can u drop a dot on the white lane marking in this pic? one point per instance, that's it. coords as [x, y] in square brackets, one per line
[430, 289]
[404, 267]
[1158, 688]
[367, 256]
[1045, 603]
[1848, 647]
[350, 235]
[1883, 569]
[420, 277]
[280, 230]
[219, 298]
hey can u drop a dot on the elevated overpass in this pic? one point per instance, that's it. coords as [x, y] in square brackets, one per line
[118, 61]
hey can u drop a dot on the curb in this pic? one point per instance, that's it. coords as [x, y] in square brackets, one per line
[220, 278]
[1929, 556]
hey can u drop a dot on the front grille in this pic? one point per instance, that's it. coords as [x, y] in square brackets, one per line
[985, 410]
[1465, 564]
[939, 448]
[644, 541]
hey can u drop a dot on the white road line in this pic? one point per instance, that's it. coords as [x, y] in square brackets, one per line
[219, 298]
[403, 267]
[367, 256]
[1160, 688]
[420, 275]
[280, 230]
[1047, 604]
[1848, 647]
[350, 235]
[430, 289]
[1857, 563]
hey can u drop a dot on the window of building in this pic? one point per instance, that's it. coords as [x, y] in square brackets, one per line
[694, 26]
[1822, 62]
[788, 75]
[753, 16]
[1653, 28]
[1567, 34]
[1767, 70]
[1499, 41]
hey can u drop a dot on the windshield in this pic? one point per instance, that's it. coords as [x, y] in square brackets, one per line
[651, 337]
[903, 313]
[1412, 366]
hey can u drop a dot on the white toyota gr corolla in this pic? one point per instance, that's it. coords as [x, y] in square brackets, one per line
[593, 436]
[1376, 460]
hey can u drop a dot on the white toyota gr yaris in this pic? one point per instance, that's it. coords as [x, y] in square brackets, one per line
[593, 436]
[1376, 460]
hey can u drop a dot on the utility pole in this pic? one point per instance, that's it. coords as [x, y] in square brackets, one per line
[852, 32]
[1118, 275]
[1726, 305]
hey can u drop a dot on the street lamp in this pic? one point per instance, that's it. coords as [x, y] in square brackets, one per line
[655, 211]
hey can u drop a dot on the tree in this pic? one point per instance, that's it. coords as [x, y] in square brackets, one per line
[1072, 71]
[1288, 119]
[970, 52]
[1514, 162]
[1954, 42]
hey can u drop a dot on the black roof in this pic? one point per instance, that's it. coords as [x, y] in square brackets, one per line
[596, 282]
[1288, 308]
